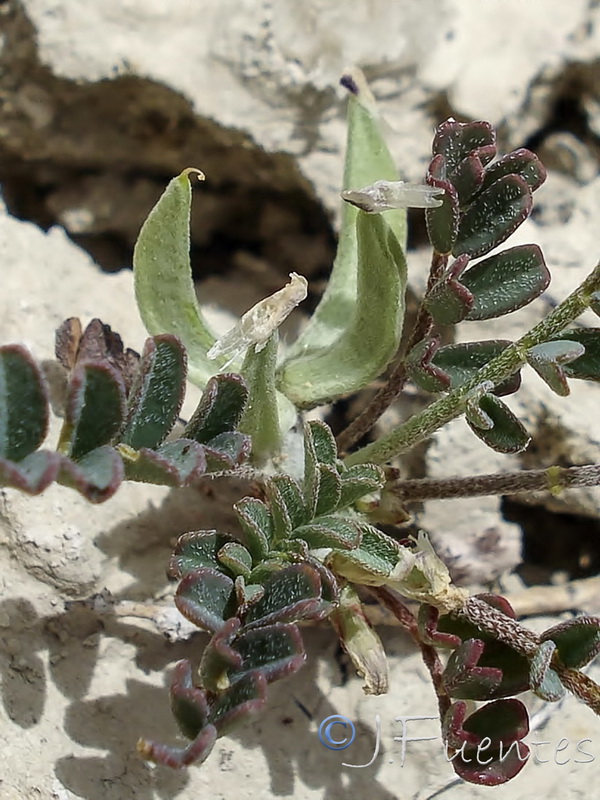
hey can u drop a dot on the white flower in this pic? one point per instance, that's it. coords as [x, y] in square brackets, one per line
[383, 195]
[256, 325]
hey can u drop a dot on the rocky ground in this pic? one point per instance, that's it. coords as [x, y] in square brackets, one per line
[101, 104]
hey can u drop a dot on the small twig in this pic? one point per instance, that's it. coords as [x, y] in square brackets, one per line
[397, 378]
[553, 479]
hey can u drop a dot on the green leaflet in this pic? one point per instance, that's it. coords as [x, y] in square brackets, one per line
[543, 680]
[188, 703]
[276, 650]
[367, 160]
[506, 281]
[287, 505]
[549, 358]
[495, 424]
[373, 561]
[492, 729]
[164, 289]
[373, 326]
[23, 404]
[587, 366]
[257, 525]
[220, 408]
[96, 475]
[206, 598]
[195, 550]
[498, 212]
[177, 463]
[236, 558]
[94, 409]
[465, 678]
[157, 393]
[32, 474]
[577, 640]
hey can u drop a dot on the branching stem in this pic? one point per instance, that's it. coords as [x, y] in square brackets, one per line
[421, 426]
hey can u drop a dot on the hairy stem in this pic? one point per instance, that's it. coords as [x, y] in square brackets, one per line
[581, 686]
[421, 426]
[553, 479]
[526, 642]
[503, 628]
[395, 383]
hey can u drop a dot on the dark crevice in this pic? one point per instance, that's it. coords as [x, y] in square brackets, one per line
[552, 542]
[566, 112]
[94, 158]
[416, 230]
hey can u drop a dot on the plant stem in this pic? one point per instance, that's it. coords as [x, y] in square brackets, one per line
[581, 685]
[553, 479]
[500, 626]
[392, 601]
[395, 383]
[421, 426]
[524, 641]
